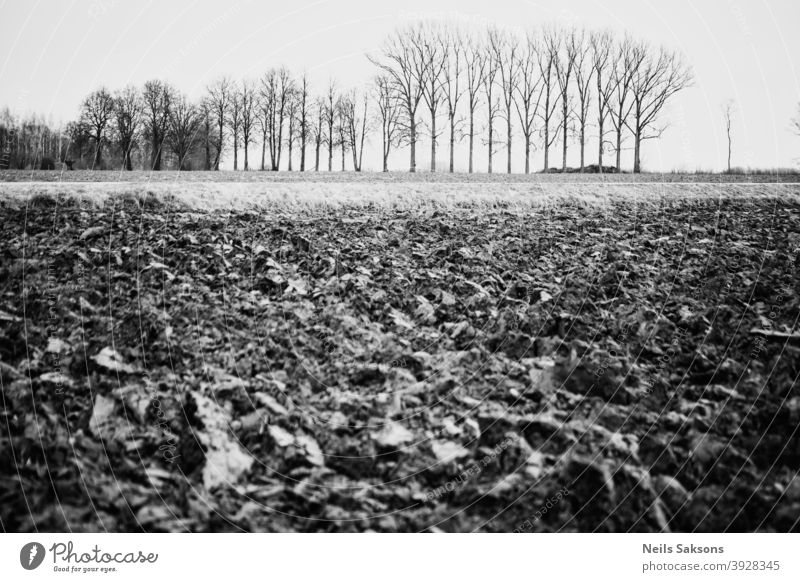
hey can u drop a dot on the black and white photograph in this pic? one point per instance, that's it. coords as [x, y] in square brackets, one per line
[420, 267]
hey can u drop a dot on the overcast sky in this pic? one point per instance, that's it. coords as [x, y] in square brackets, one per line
[53, 52]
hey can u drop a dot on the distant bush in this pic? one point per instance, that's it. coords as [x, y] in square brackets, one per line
[769, 171]
[595, 169]
[590, 169]
[739, 171]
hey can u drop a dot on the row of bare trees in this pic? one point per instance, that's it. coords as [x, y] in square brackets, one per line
[550, 88]
[276, 111]
[29, 142]
[152, 121]
[550, 84]
[279, 112]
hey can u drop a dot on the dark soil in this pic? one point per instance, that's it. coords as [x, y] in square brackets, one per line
[574, 369]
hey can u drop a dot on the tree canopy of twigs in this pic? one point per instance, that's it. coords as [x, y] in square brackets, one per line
[549, 83]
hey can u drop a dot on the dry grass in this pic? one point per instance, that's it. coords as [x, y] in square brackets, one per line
[305, 196]
[390, 177]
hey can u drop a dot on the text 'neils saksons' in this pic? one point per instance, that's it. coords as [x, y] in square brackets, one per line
[681, 549]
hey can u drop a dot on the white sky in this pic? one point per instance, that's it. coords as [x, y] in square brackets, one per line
[53, 52]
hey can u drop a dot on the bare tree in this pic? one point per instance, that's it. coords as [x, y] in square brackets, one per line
[453, 47]
[96, 113]
[292, 133]
[286, 91]
[249, 101]
[77, 134]
[505, 48]
[157, 96]
[341, 128]
[128, 108]
[475, 71]
[727, 116]
[432, 53]
[264, 119]
[364, 130]
[206, 124]
[274, 91]
[492, 99]
[235, 122]
[627, 61]
[565, 67]
[32, 142]
[601, 47]
[184, 122]
[354, 112]
[302, 116]
[330, 117]
[319, 132]
[584, 71]
[220, 94]
[389, 113]
[528, 92]
[405, 67]
[547, 57]
[657, 77]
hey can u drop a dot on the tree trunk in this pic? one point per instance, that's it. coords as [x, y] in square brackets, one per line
[527, 154]
[413, 162]
[564, 128]
[235, 155]
[154, 162]
[363, 135]
[491, 144]
[583, 144]
[330, 153]
[279, 143]
[619, 149]
[471, 137]
[637, 166]
[433, 141]
[729, 150]
[273, 163]
[207, 160]
[98, 153]
[156, 155]
[546, 146]
[290, 156]
[129, 162]
[263, 154]
[600, 146]
[316, 156]
[303, 152]
[599, 78]
[219, 151]
[452, 142]
[508, 138]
